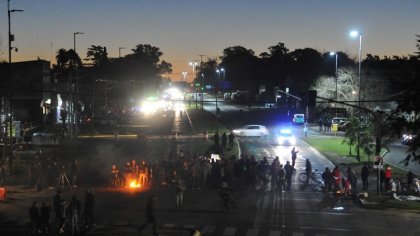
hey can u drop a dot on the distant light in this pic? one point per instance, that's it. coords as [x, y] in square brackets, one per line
[332, 53]
[354, 33]
[285, 131]
[222, 69]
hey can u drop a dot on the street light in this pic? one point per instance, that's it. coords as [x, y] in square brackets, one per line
[222, 70]
[11, 38]
[119, 51]
[336, 74]
[193, 64]
[74, 39]
[184, 74]
[354, 34]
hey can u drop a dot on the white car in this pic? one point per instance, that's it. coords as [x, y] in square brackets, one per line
[286, 137]
[251, 130]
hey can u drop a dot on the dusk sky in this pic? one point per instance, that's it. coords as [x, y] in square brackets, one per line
[184, 29]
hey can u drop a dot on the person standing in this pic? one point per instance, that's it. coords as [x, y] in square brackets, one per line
[281, 179]
[56, 207]
[89, 207]
[289, 172]
[224, 140]
[365, 176]
[35, 216]
[179, 191]
[216, 140]
[388, 176]
[2, 175]
[352, 178]
[74, 169]
[337, 179]
[327, 177]
[308, 170]
[150, 215]
[45, 217]
[294, 153]
[74, 213]
[231, 139]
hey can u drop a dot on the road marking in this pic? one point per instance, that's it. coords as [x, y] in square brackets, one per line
[229, 231]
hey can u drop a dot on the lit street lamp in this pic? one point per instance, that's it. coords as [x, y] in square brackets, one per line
[355, 34]
[336, 74]
[184, 75]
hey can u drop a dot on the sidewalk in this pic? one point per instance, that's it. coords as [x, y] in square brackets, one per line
[375, 199]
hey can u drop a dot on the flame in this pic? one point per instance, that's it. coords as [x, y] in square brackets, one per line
[134, 184]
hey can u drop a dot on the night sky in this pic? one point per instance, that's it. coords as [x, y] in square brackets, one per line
[184, 29]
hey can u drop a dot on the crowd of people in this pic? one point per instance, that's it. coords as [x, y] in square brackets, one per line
[48, 172]
[66, 217]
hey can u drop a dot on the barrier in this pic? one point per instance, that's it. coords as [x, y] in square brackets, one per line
[3, 194]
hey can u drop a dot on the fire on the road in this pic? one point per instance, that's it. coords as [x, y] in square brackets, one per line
[133, 184]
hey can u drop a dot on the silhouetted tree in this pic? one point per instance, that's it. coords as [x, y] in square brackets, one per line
[98, 55]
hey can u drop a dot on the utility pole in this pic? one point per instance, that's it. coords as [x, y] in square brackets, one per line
[202, 80]
[9, 115]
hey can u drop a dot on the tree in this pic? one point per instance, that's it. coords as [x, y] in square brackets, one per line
[243, 67]
[407, 116]
[98, 55]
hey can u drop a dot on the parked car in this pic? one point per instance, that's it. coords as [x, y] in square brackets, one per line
[407, 139]
[251, 130]
[342, 122]
[339, 120]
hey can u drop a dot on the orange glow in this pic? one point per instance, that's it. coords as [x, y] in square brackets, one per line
[134, 184]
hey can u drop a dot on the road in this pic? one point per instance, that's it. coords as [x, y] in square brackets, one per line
[260, 211]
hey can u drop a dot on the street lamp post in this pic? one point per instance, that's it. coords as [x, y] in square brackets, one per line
[336, 74]
[194, 64]
[119, 51]
[74, 40]
[336, 80]
[73, 130]
[355, 34]
[10, 80]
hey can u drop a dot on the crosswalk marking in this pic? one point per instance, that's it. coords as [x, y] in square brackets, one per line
[229, 231]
